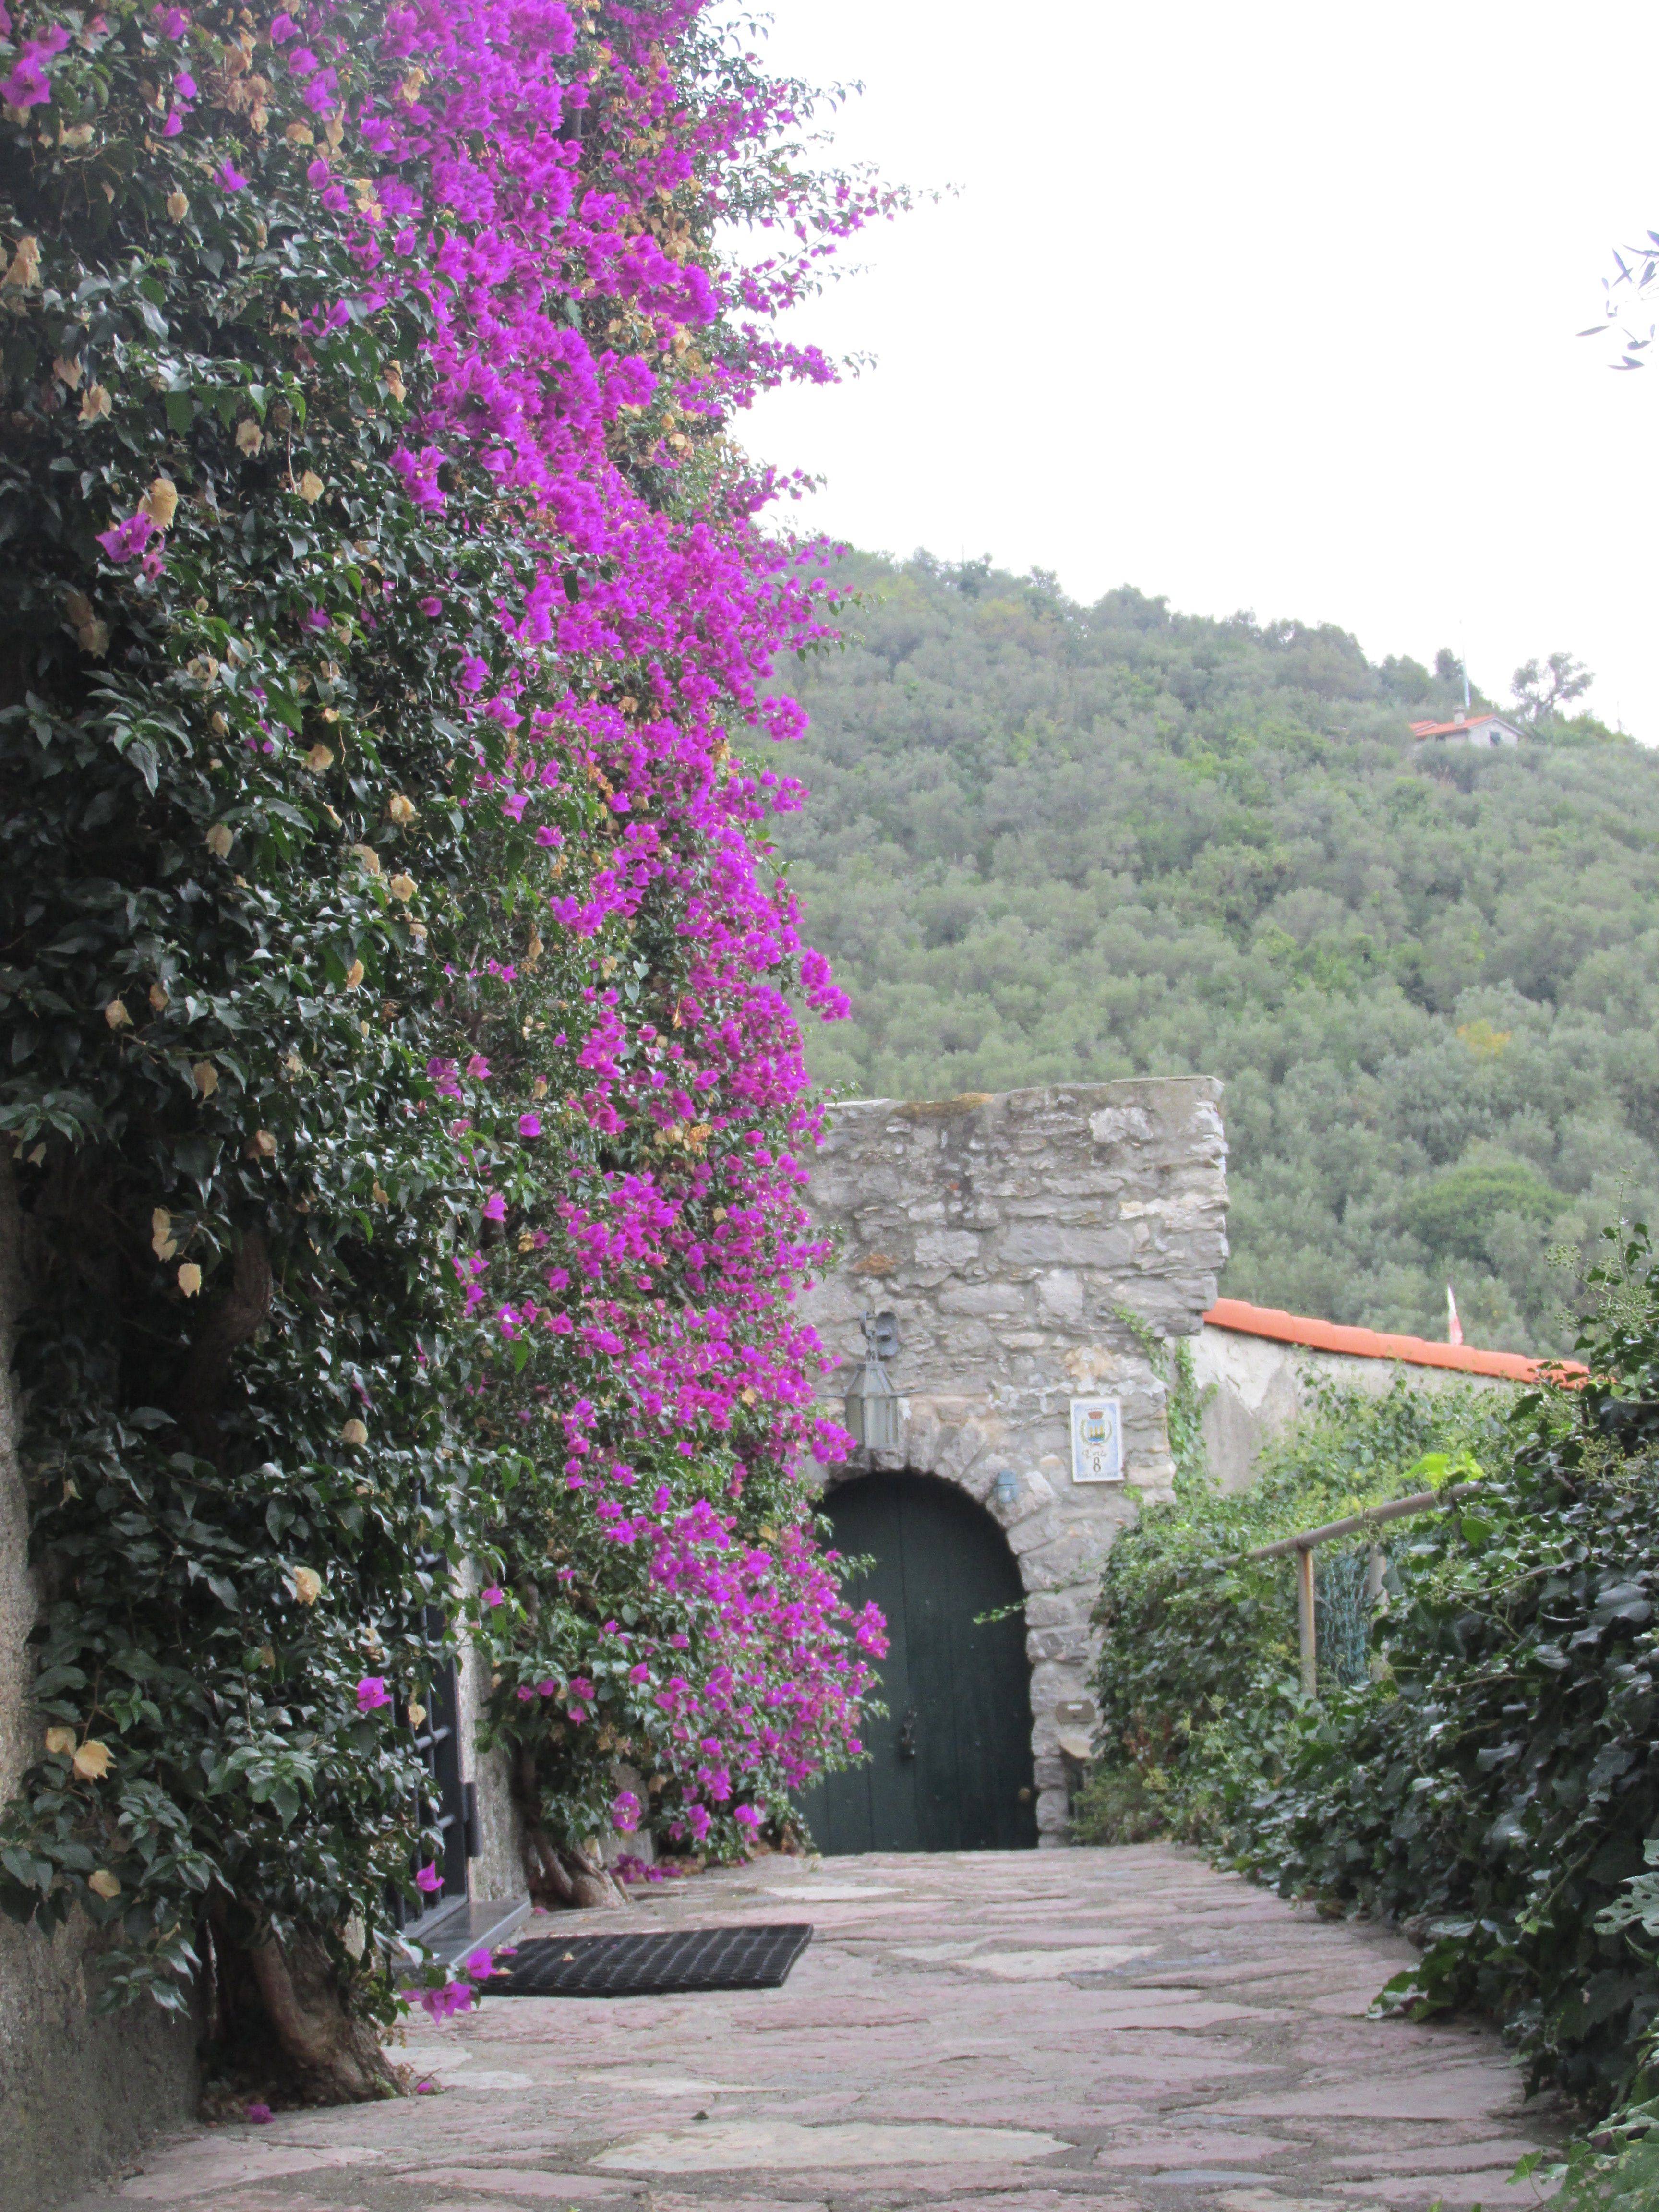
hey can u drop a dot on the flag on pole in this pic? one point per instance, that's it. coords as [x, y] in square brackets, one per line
[1454, 1327]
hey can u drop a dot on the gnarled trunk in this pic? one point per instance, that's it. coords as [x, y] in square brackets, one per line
[338, 2059]
[555, 1875]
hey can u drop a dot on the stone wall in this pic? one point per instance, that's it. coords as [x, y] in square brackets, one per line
[78, 2095]
[1030, 1245]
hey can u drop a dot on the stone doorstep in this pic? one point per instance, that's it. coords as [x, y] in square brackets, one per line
[468, 1924]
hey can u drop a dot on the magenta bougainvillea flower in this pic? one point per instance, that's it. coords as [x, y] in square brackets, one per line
[125, 541]
[373, 1693]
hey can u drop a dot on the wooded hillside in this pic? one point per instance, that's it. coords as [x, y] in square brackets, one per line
[1047, 843]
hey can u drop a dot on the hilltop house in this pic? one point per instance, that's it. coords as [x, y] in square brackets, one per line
[1466, 729]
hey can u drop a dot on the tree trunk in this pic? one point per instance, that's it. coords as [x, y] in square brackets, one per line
[555, 1876]
[338, 2060]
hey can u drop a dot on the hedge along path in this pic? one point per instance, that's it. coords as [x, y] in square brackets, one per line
[1496, 1786]
[402, 1073]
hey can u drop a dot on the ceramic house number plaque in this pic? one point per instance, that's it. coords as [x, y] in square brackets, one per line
[1097, 1440]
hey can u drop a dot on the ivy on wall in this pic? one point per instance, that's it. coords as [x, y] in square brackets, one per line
[404, 1097]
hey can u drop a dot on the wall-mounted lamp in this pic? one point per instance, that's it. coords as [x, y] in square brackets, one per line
[1007, 1490]
[873, 1407]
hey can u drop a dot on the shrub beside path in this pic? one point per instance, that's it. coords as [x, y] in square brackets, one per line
[1033, 2032]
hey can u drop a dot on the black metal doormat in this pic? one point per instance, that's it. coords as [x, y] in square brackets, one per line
[661, 1966]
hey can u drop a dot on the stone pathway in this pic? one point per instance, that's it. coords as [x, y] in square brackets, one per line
[1071, 2030]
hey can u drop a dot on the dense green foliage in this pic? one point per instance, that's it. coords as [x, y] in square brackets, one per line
[213, 1014]
[1046, 842]
[1495, 1784]
[1197, 1676]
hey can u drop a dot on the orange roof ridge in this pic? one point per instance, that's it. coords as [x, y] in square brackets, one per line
[1468, 722]
[1369, 1343]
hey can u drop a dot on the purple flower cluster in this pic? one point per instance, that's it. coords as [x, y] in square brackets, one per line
[668, 1281]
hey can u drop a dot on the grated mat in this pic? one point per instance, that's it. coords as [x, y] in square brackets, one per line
[657, 1965]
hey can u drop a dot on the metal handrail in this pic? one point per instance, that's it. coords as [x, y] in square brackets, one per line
[1302, 1546]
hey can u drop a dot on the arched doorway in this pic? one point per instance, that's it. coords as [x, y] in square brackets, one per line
[951, 1765]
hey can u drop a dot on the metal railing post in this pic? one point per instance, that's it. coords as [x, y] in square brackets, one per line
[1307, 1621]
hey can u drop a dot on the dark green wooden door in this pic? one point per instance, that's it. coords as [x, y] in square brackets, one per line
[951, 1765]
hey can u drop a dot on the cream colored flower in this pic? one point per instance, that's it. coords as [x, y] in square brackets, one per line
[402, 888]
[161, 1234]
[354, 1433]
[94, 638]
[207, 1078]
[249, 437]
[159, 1000]
[60, 1741]
[205, 670]
[190, 1279]
[400, 810]
[417, 931]
[103, 1883]
[311, 487]
[394, 381]
[78, 607]
[160, 503]
[318, 758]
[76, 135]
[117, 1015]
[299, 133]
[416, 1712]
[308, 1585]
[178, 206]
[265, 1144]
[369, 856]
[266, 1656]
[25, 263]
[219, 839]
[91, 1760]
[67, 371]
[94, 403]
[354, 974]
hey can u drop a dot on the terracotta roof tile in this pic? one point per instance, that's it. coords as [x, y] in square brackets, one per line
[1368, 1343]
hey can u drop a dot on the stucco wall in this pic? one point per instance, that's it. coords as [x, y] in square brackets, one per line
[77, 2095]
[1255, 1387]
[1011, 1236]
[498, 1871]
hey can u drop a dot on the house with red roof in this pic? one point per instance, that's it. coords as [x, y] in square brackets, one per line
[1466, 729]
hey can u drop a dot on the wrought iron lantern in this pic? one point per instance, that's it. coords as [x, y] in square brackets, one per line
[874, 1409]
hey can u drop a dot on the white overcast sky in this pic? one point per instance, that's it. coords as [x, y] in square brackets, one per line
[1268, 306]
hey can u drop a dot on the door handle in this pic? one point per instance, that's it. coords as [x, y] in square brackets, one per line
[906, 1742]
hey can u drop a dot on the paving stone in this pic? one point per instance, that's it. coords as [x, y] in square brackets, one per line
[1439, 2158]
[1075, 2031]
[524, 2188]
[782, 2147]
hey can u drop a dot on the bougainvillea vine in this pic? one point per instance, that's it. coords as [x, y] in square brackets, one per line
[406, 1095]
